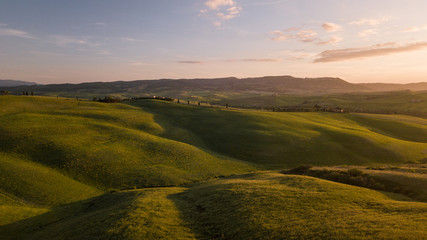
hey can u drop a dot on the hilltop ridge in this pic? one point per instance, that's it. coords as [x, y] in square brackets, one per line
[14, 83]
[270, 84]
[267, 84]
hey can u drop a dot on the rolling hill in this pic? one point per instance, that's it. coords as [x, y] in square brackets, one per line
[185, 87]
[273, 84]
[288, 139]
[153, 169]
[14, 83]
[382, 87]
[265, 205]
[106, 146]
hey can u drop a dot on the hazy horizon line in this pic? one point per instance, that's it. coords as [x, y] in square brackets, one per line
[202, 78]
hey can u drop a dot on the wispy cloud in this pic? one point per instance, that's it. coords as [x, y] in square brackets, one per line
[370, 51]
[216, 4]
[299, 56]
[221, 10]
[265, 3]
[332, 40]
[191, 62]
[141, 64]
[50, 54]
[265, 60]
[331, 27]
[14, 32]
[260, 60]
[415, 29]
[371, 21]
[294, 33]
[67, 40]
[99, 25]
[132, 40]
[306, 35]
[367, 32]
[104, 52]
[230, 13]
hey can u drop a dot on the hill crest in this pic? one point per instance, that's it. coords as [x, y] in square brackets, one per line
[14, 83]
[268, 84]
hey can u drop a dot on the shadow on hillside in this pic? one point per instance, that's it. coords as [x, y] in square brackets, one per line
[192, 215]
[394, 129]
[88, 219]
[192, 125]
[339, 147]
[174, 128]
[259, 139]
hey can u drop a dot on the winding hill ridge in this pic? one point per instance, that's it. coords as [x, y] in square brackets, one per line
[378, 87]
[271, 84]
[14, 83]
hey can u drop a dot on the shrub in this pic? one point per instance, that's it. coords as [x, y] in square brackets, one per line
[299, 170]
[355, 172]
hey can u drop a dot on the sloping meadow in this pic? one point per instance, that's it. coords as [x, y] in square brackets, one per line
[275, 139]
[74, 169]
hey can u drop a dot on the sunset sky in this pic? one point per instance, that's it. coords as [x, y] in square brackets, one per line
[58, 41]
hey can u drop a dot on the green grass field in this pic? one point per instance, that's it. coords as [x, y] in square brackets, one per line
[400, 102]
[286, 139]
[147, 169]
[265, 205]
[106, 146]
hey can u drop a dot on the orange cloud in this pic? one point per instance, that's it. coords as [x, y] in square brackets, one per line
[261, 60]
[215, 4]
[367, 32]
[236, 60]
[333, 39]
[14, 32]
[371, 51]
[331, 27]
[415, 29]
[223, 10]
[302, 35]
[371, 21]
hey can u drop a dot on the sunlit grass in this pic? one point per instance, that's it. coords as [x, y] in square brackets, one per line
[264, 205]
[288, 139]
[274, 206]
[104, 145]
[59, 159]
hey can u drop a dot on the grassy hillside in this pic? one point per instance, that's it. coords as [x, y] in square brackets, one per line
[273, 206]
[288, 139]
[102, 145]
[12, 211]
[60, 159]
[137, 214]
[264, 205]
[34, 183]
[407, 179]
[402, 102]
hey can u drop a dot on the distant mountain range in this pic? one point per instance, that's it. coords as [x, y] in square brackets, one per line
[380, 87]
[14, 83]
[268, 84]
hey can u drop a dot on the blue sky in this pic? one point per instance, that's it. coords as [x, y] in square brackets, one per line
[80, 41]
